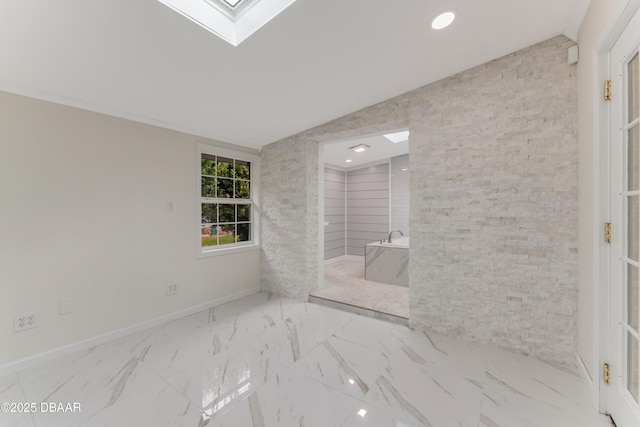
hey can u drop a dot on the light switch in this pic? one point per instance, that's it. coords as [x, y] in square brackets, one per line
[66, 305]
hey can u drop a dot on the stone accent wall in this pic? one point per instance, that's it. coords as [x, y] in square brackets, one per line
[493, 215]
[290, 260]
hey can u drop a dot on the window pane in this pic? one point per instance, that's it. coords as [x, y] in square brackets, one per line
[244, 231]
[208, 235]
[242, 189]
[632, 296]
[632, 161]
[208, 165]
[225, 188]
[208, 186]
[632, 224]
[225, 167]
[227, 213]
[632, 365]
[634, 88]
[209, 213]
[227, 234]
[226, 205]
[243, 169]
[244, 212]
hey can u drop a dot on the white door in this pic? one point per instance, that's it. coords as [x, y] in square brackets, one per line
[623, 390]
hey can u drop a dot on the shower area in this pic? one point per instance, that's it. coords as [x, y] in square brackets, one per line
[366, 228]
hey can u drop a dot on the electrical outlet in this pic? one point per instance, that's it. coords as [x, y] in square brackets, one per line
[173, 289]
[24, 321]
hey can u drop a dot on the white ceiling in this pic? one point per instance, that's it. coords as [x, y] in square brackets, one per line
[318, 60]
[380, 148]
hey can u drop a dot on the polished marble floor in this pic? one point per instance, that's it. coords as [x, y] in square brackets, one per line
[269, 361]
[344, 282]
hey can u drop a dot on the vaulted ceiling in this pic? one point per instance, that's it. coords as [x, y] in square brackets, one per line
[316, 61]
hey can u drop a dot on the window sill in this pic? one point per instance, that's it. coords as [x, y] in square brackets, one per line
[227, 251]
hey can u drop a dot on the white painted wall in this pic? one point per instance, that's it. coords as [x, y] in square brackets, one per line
[84, 214]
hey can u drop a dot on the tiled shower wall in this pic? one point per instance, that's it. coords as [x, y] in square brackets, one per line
[493, 216]
[400, 192]
[367, 207]
[334, 213]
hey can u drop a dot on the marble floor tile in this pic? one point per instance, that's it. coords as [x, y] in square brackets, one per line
[445, 353]
[11, 393]
[373, 333]
[268, 361]
[112, 388]
[195, 338]
[370, 416]
[503, 407]
[339, 364]
[291, 399]
[520, 390]
[419, 394]
[225, 378]
[287, 342]
[145, 401]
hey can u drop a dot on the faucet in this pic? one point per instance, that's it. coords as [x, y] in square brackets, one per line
[393, 231]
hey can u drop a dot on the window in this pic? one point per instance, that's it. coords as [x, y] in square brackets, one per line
[228, 188]
[231, 20]
[232, 3]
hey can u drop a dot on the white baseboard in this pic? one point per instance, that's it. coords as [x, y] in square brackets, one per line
[56, 353]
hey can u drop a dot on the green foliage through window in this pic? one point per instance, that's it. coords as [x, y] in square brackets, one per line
[225, 186]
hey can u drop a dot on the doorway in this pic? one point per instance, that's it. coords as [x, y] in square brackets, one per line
[365, 197]
[623, 392]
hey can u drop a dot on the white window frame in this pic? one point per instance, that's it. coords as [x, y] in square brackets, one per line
[254, 243]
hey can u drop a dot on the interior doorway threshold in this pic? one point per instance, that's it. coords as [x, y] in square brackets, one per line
[393, 318]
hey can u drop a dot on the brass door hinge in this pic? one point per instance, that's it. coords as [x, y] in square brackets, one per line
[607, 90]
[607, 232]
[607, 373]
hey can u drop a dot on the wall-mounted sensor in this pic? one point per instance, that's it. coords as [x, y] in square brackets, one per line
[573, 55]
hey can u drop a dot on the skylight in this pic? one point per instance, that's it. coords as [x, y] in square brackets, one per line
[231, 20]
[398, 136]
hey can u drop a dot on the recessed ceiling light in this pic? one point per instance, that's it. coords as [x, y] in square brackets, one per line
[398, 136]
[359, 148]
[352, 382]
[348, 160]
[362, 412]
[443, 20]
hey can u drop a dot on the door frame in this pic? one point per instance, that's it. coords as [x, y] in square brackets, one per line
[335, 137]
[602, 182]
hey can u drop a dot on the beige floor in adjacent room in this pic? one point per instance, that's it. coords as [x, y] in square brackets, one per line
[344, 282]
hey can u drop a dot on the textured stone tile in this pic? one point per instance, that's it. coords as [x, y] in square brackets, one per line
[493, 189]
